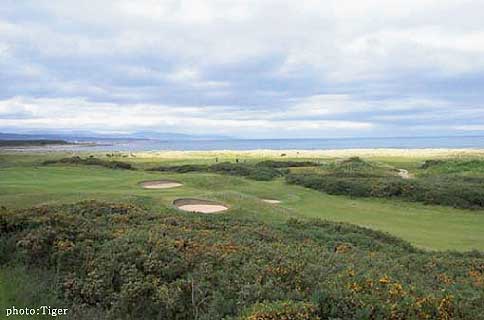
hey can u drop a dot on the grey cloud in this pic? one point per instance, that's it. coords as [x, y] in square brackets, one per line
[258, 63]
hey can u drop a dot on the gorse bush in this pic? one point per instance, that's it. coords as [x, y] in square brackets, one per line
[450, 193]
[130, 263]
[91, 161]
[288, 310]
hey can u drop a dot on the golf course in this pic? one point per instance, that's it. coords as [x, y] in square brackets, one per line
[59, 208]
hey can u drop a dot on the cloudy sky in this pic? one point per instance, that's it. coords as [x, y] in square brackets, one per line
[255, 69]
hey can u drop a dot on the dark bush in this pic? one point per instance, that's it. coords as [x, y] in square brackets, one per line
[431, 163]
[182, 169]
[91, 161]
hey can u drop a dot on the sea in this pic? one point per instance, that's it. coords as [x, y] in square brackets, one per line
[454, 142]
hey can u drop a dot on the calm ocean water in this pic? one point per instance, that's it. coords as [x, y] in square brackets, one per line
[284, 144]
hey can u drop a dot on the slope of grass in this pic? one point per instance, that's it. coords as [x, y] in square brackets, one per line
[430, 227]
[460, 167]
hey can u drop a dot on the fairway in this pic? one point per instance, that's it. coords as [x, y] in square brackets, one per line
[428, 227]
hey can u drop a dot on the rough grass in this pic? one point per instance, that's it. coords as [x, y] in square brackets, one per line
[452, 166]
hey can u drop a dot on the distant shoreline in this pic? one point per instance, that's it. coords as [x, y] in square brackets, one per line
[31, 143]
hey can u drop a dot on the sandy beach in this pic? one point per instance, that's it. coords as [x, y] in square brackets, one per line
[339, 153]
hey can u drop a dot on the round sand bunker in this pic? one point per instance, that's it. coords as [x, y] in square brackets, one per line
[160, 184]
[200, 206]
[272, 201]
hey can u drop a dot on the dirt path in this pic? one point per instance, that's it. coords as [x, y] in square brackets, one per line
[404, 174]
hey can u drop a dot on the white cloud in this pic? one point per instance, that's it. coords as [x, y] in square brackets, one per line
[345, 39]
[79, 113]
[192, 77]
[341, 104]
[476, 127]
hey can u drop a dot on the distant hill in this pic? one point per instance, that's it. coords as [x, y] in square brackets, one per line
[30, 143]
[83, 136]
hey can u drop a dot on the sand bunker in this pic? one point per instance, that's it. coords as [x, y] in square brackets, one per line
[160, 184]
[272, 201]
[198, 205]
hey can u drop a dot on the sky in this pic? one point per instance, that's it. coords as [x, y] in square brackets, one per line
[248, 69]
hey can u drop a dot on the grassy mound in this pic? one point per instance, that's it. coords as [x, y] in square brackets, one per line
[455, 183]
[357, 167]
[130, 263]
[261, 173]
[453, 193]
[452, 166]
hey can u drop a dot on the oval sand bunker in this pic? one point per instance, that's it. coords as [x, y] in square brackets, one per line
[272, 201]
[160, 184]
[198, 205]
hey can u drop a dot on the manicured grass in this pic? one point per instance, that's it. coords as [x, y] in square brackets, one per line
[430, 227]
